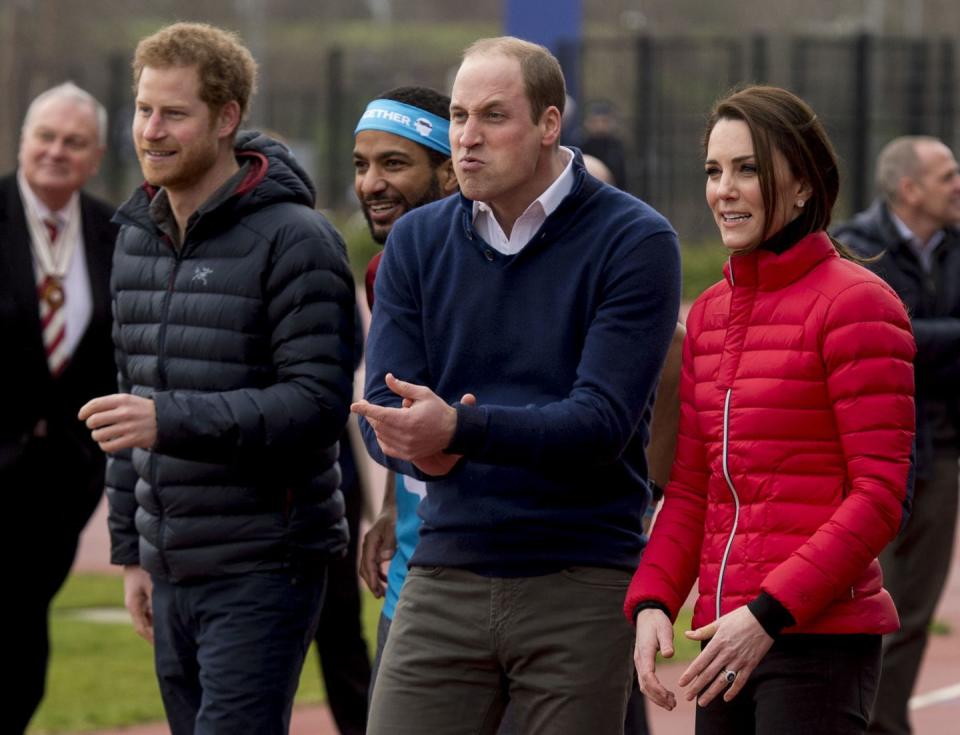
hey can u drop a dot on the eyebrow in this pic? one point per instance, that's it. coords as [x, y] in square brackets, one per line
[174, 106]
[737, 159]
[496, 102]
[384, 154]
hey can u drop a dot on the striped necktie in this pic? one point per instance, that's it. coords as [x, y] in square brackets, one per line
[52, 313]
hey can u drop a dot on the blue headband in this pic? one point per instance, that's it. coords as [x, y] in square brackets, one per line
[407, 121]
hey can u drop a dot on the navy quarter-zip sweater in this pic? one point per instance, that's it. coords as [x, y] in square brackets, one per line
[562, 345]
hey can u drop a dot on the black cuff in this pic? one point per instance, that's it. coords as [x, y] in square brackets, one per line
[471, 429]
[649, 605]
[656, 491]
[772, 616]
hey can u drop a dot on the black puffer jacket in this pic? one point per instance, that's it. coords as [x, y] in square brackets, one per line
[933, 302]
[244, 339]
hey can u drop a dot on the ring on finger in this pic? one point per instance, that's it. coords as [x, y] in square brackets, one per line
[729, 676]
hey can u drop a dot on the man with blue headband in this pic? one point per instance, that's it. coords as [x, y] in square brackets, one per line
[515, 347]
[401, 159]
[402, 156]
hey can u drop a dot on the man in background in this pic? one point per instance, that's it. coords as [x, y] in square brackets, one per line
[912, 231]
[601, 139]
[401, 159]
[56, 244]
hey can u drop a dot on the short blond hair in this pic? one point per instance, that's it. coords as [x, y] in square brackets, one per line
[542, 76]
[226, 68]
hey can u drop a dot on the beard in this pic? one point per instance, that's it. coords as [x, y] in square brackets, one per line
[194, 163]
[379, 233]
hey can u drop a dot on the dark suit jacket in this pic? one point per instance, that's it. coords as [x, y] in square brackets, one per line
[67, 457]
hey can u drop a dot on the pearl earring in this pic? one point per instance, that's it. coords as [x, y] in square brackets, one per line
[800, 203]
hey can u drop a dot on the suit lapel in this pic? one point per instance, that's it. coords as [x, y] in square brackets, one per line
[97, 245]
[18, 273]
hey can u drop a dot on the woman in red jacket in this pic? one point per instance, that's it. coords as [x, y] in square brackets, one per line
[794, 447]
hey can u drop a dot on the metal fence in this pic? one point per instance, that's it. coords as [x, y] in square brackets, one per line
[866, 89]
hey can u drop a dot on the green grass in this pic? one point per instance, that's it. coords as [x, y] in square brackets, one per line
[702, 264]
[101, 674]
[940, 627]
[684, 649]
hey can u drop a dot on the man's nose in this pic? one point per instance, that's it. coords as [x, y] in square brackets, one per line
[372, 181]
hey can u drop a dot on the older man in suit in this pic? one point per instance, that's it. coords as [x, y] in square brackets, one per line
[56, 246]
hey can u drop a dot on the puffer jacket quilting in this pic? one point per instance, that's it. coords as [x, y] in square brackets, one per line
[244, 339]
[795, 437]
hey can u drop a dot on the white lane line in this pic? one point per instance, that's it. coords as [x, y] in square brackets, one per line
[937, 696]
[111, 615]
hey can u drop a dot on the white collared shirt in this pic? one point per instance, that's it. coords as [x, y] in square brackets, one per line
[77, 298]
[532, 218]
[924, 250]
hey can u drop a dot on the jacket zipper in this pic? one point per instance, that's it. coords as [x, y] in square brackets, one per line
[726, 475]
[162, 374]
[733, 491]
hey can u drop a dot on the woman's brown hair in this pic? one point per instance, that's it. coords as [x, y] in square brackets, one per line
[779, 120]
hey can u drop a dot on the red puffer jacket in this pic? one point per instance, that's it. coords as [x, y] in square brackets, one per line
[794, 447]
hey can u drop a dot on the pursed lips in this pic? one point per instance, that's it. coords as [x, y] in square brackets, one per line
[469, 163]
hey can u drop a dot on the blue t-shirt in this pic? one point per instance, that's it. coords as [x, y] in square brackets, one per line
[409, 494]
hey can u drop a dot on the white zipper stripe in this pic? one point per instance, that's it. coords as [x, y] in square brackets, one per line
[733, 491]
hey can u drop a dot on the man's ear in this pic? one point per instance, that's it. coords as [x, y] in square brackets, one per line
[550, 127]
[447, 177]
[908, 191]
[228, 119]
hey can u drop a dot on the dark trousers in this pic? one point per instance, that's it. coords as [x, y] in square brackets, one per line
[229, 651]
[340, 645]
[805, 684]
[48, 502]
[33, 582]
[636, 719]
[915, 568]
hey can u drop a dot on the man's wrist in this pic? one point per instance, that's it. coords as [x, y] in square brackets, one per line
[656, 491]
[470, 429]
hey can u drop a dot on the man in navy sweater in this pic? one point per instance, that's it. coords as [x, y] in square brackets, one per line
[548, 300]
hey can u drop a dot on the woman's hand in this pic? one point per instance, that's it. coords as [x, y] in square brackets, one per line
[654, 633]
[737, 646]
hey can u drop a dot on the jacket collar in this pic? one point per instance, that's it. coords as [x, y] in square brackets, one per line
[584, 186]
[764, 270]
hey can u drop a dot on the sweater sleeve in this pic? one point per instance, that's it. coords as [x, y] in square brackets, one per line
[636, 315]
[309, 309]
[867, 350]
[396, 339]
[671, 561]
